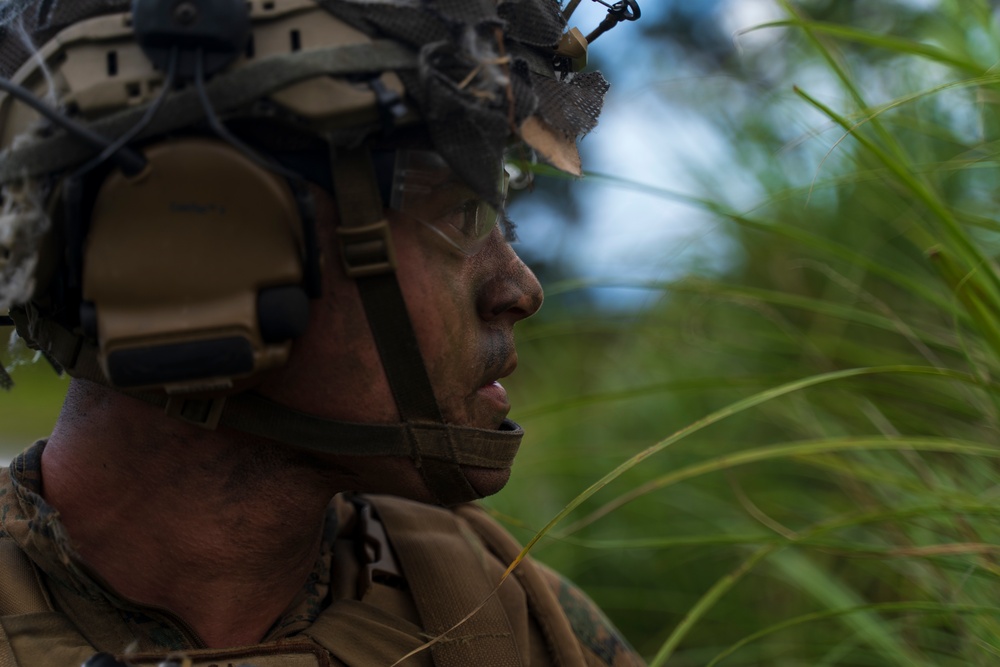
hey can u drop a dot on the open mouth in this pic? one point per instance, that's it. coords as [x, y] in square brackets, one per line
[491, 393]
[496, 394]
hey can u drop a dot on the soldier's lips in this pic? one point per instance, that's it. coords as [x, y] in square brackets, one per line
[494, 393]
[491, 393]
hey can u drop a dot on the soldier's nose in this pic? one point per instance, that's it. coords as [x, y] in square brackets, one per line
[513, 292]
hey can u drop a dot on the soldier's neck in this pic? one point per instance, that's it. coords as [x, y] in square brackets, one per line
[220, 531]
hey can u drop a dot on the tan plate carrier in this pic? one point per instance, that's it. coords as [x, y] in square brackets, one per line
[445, 566]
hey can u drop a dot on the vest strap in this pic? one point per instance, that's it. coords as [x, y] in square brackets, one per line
[446, 574]
[545, 608]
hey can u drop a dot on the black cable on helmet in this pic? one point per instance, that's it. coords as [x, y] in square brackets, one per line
[312, 278]
[223, 132]
[130, 161]
[154, 108]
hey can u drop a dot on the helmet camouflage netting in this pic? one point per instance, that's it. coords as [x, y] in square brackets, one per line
[485, 70]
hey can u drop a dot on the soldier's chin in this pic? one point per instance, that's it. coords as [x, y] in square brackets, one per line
[486, 481]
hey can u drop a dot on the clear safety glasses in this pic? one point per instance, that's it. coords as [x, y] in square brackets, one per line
[426, 190]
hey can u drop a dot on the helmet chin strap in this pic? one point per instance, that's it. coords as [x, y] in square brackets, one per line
[368, 258]
[438, 450]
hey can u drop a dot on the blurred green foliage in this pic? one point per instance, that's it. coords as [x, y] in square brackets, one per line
[853, 521]
[28, 411]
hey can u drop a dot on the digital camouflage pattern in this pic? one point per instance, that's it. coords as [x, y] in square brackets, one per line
[27, 518]
[591, 626]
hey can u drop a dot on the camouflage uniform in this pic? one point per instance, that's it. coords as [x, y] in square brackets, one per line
[36, 528]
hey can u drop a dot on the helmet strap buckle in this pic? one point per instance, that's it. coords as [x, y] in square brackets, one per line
[203, 412]
[367, 250]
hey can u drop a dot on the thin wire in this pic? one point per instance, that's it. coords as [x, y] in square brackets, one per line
[312, 273]
[224, 133]
[133, 132]
[130, 161]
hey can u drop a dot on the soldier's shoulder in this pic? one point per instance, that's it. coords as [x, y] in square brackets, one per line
[603, 644]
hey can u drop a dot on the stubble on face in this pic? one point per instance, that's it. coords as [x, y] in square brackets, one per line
[463, 352]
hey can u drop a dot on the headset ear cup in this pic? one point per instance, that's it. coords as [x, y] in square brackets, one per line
[195, 270]
[283, 313]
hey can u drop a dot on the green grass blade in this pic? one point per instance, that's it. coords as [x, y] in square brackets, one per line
[782, 451]
[902, 607]
[889, 43]
[732, 409]
[705, 603]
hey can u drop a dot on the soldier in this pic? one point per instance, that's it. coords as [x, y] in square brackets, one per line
[267, 240]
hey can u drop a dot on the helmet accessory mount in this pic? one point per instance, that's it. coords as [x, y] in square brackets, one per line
[571, 54]
[217, 29]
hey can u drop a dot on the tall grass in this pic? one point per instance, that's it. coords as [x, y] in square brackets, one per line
[791, 461]
[803, 447]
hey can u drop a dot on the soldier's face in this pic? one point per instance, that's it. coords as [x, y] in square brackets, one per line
[463, 309]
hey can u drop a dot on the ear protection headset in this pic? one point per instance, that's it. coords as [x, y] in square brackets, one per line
[193, 269]
[193, 273]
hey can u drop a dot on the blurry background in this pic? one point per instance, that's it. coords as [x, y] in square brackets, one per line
[781, 195]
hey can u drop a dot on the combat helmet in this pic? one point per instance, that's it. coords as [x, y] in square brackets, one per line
[157, 233]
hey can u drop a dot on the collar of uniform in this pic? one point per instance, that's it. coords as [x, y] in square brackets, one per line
[36, 527]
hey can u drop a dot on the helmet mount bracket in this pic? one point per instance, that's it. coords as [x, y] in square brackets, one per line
[215, 30]
[623, 10]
